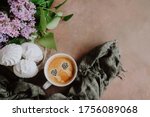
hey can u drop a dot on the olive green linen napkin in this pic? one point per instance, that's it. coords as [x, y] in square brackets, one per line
[18, 90]
[96, 69]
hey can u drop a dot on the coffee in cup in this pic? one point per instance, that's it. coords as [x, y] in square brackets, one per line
[60, 70]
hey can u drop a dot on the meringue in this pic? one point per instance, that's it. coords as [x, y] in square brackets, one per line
[25, 69]
[10, 55]
[32, 52]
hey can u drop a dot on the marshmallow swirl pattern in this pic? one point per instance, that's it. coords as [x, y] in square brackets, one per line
[25, 69]
[32, 52]
[10, 55]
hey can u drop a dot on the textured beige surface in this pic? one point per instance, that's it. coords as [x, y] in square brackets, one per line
[97, 21]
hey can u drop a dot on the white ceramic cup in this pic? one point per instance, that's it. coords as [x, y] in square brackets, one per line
[51, 82]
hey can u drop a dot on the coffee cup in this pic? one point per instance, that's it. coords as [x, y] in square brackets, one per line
[60, 70]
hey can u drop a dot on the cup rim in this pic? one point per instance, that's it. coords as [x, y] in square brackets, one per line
[53, 57]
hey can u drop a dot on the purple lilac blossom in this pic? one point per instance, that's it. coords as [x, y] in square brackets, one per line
[3, 17]
[22, 23]
[26, 31]
[8, 27]
[3, 38]
[4, 21]
[22, 9]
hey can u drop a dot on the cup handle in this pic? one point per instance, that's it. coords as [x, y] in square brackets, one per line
[46, 85]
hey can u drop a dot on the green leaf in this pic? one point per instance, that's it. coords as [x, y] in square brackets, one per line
[37, 15]
[43, 22]
[43, 3]
[48, 41]
[48, 15]
[17, 41]
[58, 6]
[37, 2]
[49, 3]
[55, 21]
[68, 17]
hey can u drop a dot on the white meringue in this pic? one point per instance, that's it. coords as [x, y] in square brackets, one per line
[25, 69]
[10, 55]
[32, 52]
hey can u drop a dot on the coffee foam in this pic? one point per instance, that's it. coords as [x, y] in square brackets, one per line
[61, 70]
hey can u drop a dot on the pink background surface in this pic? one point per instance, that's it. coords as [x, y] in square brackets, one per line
[97, 21]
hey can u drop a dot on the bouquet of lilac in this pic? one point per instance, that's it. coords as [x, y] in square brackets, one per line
[22, 22]
[25, 20]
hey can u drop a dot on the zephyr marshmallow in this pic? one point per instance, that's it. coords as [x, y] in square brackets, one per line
[10, 55]
[25, 69]
[32, 52]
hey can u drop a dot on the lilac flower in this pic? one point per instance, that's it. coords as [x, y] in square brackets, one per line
[12, 31]
[4, 22]
[3, 17]
[3, 38]
[10, 28]
[19, 1]
[22, 9]
[26, 31]
[31, 23]
[16, 23]
[22, 22]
